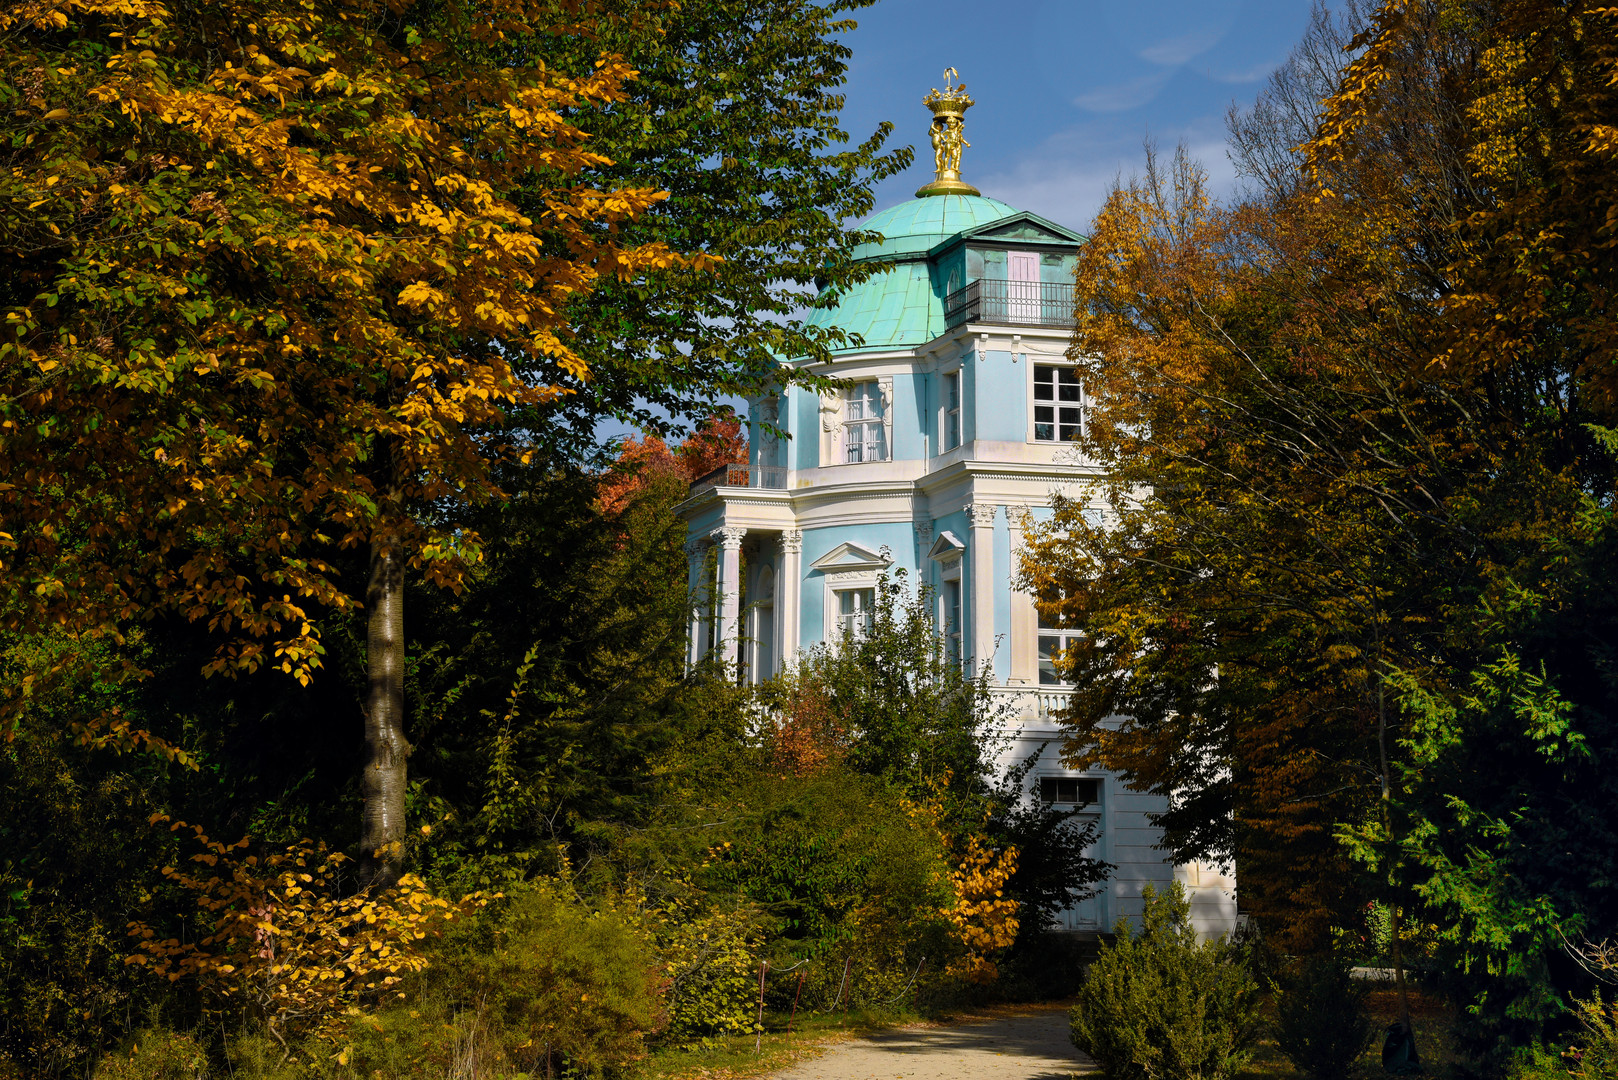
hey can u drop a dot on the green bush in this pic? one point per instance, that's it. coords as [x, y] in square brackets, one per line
[549, 985]
[1157, 1004]
[1320, 1022]
[1596, 1051]
[155, 1054]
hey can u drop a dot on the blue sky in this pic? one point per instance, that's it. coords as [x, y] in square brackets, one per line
[1066, 90]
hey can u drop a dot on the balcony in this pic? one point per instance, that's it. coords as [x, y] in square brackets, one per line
[1043, 704]
[744, 476]
[1010, 303]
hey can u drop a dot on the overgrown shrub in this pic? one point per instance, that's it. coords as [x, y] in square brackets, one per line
[1596, 1051]
[1320, 1023]
[550, 985]
[1157, 1004]
[711, 969]
[155, 1053]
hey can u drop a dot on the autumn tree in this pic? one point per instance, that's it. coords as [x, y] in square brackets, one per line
[270, 296]
[1357, 422]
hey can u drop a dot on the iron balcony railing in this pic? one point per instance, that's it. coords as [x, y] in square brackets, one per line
[748, 476]
[1010, 303]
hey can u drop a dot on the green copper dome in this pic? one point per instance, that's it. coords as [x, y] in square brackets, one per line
[913, 228]
[904, 306]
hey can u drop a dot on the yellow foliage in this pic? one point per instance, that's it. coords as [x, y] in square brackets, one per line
[281, 272]
[983, 917]
[285, 944]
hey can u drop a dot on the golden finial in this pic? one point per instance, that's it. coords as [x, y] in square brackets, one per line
[949, 107]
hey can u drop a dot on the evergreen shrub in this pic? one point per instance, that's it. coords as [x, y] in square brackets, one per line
[1158, 1004]
[1320, 1024]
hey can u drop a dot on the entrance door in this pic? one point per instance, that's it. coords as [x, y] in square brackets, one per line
[1088, 914]
[1022, 291]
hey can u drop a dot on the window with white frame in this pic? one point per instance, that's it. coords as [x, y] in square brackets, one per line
[1059, 404]
[1057, 634]
[762, 648]
[856, 612]
[862, 424]
[952, 411]
[951, 601]
[1070, 790]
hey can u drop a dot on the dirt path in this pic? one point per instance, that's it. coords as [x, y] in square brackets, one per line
[1031, 1045]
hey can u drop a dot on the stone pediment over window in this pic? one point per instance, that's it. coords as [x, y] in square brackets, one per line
[850, 556]
[1024, 228]
[947, 546]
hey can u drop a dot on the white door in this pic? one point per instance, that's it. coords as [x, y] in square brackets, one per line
[1088, 914]
[1022, 291]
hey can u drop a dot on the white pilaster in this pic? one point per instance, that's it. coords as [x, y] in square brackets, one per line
[788, 591]
[981, 554]
[728, 583]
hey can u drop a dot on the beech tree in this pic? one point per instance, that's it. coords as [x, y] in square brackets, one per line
[270, 295]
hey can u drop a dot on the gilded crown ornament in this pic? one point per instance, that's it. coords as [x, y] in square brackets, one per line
[949, 107]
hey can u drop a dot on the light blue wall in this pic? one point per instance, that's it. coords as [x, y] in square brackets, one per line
[1002, 597]
[898, 536]
[804, 408]
[1001, 401]
[909, 397]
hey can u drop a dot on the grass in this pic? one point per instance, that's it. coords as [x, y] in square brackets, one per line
[749, 1055]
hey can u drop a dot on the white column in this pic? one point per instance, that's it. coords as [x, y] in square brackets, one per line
[696, 596]
[788, 593]
[981, 553]
[729, 586]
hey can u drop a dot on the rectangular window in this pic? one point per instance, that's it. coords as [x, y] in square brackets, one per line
[1076, 790]
[862, 424]
[1058, 405]
[952, 618]
[1056, 635]
[856, 612]
[952, 410]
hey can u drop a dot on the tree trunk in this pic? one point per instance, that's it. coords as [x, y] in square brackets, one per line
[1397, 948]
[382, 784]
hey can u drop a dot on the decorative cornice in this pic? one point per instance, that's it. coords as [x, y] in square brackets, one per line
[791, 541]
[980, 514]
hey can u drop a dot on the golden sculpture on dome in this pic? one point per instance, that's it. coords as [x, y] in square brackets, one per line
[949, 107]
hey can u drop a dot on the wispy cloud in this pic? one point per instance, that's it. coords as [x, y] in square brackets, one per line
[1067, 177]
[1118, 97]
[1174, 51]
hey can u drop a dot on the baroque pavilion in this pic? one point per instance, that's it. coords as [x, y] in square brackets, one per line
[962, 417]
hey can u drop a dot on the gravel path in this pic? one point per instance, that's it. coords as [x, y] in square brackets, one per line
[1028, 1046]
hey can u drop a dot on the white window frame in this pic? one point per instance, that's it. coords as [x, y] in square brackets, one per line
[761, 617]
[1081, 405]
[949, 419]
[1055, 779]
[861, 618]
[1063, 637]
[848, 566]
[864, 424]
